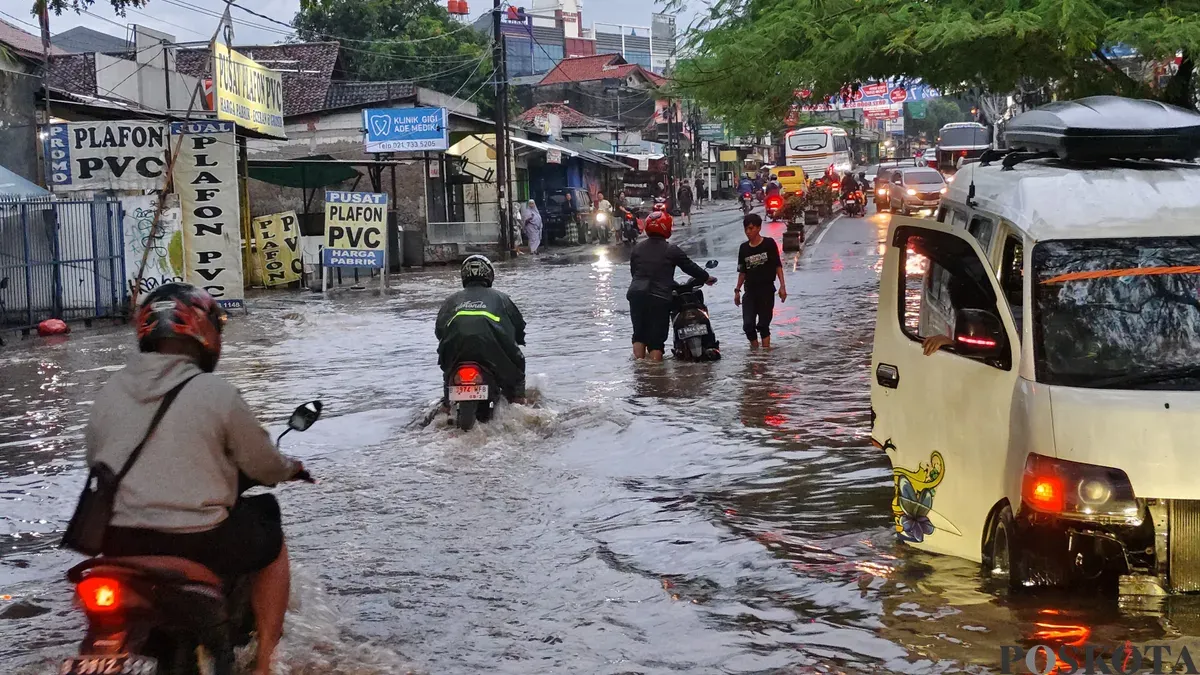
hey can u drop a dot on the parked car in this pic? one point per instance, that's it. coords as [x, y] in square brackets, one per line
[915, 189]
[555, 214]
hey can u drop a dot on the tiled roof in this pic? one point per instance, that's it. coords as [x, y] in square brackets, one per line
[81, 39]
[307, 68]
[598, 67]
[571, 118]
[347, 94]
[26, 44]
[74, 73]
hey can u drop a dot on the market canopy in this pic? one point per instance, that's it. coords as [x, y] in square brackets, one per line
[307, 173]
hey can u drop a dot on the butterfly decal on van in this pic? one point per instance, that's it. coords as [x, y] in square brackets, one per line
[912, 504]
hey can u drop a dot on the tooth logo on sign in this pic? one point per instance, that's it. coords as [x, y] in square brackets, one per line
[381, 125]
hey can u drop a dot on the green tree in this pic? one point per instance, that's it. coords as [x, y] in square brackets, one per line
[401, 40]
[748, 56]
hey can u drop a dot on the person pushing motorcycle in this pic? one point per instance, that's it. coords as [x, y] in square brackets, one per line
[480, 324]
[652, 263]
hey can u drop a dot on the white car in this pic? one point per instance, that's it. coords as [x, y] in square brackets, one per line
[1049, 433]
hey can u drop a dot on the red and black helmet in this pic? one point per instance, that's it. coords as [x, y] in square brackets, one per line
[181, 311]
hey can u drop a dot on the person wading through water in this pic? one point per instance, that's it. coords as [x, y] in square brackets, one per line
[758, 268]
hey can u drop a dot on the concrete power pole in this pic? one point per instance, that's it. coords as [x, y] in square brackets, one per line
[499, 71]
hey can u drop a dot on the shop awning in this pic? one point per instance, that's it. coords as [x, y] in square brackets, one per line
[307, 173]
[544, 146]
[12, 185]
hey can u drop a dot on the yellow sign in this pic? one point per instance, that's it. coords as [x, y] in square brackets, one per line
[729, 156]
[278, 239]
[247, 93]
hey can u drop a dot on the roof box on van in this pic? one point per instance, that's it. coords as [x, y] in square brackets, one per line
[1107, 127]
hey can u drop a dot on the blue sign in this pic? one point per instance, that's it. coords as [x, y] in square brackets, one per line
[406, 129]
[339, 257]
[355, 229]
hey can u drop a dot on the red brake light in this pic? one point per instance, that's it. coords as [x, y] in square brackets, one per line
[99, 594]
[1041, 487]
[774, 202]
[468, 374]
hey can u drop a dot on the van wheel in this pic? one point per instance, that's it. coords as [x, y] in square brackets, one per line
[1001, 555]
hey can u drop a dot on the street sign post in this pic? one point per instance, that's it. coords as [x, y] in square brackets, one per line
[355, 233]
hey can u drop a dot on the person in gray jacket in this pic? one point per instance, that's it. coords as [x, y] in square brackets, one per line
[181, 496]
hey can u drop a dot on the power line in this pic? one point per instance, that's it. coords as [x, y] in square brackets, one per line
[337, 37]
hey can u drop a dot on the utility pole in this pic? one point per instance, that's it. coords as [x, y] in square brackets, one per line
[499, 71]
[671, 154]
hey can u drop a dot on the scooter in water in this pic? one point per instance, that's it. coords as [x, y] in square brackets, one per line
[161, 615]
[630, 229]
[747, 202]
[473, 394]
[694, 337]
[774, 206]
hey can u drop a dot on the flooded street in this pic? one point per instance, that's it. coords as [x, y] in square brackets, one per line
[729, 517]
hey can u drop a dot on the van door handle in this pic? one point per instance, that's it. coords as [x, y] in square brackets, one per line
[887, 375]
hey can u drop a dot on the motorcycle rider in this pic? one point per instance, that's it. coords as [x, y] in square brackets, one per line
[482, 325]
[745, 187]
[849, 186]
[774, 187]
[181, 497]
[652, 263]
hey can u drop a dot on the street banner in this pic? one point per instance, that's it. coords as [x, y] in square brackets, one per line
[355, 229]
[163, 252]
[207, 183]
[278, 241]
[406, 129]
[729, 156]
[106, 156]
[248, 94]
[876, 95]
[712, 132]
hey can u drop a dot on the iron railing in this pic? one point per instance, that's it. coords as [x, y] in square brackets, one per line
[60, 259]
[464, 233]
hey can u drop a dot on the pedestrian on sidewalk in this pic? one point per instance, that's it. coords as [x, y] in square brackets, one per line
[699, 191]
[685, 201]
[758, 268]
[533, 226]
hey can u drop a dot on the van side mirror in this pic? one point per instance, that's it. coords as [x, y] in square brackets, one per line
[305, 415]
[711, 264]
[978, 332]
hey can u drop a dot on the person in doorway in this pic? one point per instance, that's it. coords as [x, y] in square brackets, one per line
[652, 264]
[685, 202]
[180, 497]
[481, 325]
[533, 226]
[759, 267]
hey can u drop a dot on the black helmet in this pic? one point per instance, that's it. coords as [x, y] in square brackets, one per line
[181, 311]
[477, 270]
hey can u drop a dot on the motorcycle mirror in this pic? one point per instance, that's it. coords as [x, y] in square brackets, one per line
[711, 264]
[305, 415]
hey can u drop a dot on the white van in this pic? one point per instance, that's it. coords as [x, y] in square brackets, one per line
[816, 149]
[1048, 434]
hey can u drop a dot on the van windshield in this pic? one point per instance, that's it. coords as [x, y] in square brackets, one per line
[814, 140]
[1119, 313]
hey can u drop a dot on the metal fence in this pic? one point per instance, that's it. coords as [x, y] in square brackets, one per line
[60, 259]
[464, 233]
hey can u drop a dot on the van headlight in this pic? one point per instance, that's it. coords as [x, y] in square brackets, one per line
[1078, 491]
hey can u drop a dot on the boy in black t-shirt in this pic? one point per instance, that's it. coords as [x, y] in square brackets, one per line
[758, 268]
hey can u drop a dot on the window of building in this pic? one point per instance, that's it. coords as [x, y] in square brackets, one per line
[638, 57]
[520, 56]
[545, 57]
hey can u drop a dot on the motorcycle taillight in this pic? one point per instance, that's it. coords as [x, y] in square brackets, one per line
[99, 595]
[467, 374]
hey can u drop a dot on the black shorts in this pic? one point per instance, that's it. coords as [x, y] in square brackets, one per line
[245, 542]
[651, 318]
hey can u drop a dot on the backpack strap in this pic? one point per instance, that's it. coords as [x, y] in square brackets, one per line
[158, 415]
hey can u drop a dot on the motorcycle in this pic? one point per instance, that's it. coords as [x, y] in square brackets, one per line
[630, 228]
[694, 337]
[774, 206]
[602, 231]
[854, 204]
[160, 615]
[760, 195]
[473, 394]
[747, 202]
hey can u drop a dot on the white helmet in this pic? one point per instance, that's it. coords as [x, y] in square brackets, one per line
[477, 269]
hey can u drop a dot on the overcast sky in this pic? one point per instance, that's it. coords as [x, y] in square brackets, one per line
[191, 20]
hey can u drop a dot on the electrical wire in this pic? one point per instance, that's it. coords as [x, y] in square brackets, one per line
[465, 26]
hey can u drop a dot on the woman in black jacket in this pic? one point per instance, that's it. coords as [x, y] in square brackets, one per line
[653, 264]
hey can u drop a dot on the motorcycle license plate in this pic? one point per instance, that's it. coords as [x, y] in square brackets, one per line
[694, 330]
[469, 392]
[121, 664]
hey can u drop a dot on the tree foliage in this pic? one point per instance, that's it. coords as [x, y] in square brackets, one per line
[748, 56]
[400, 40]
